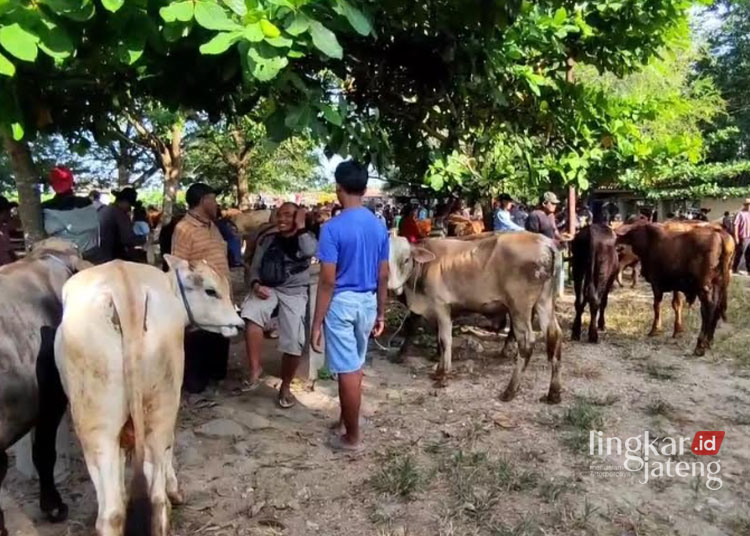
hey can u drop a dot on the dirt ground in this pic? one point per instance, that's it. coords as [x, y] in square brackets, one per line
[457, 461]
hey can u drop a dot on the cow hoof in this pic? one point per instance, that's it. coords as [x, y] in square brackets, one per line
[594, 339]
[57, 513]
[553, 397]
[3, 532]
[654, 332]
[507, 395]
[700, 352]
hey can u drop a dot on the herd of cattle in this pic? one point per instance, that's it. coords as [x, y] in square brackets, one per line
[109, 339]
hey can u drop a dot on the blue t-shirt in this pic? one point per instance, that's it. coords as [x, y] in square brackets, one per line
[356, 242]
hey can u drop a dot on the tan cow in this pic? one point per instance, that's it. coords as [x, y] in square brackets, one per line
[511, 272]
[120, 353]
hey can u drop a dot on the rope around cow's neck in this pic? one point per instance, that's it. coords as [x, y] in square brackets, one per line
[191, 318]
[408, 312]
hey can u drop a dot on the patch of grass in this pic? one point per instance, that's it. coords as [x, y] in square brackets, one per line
[551, 490]
[525, 527]
[733, 343]
[583, 415]
[478, 483]
[602, 401]
[661, 372]
[659, 407]
[399, 475]
[325, 374]
[580, 419]
[739, 525]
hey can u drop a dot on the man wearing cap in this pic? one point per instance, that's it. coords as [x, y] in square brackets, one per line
[117, 236]
[6, 249]
[542, 220]
[71, 217]
[197, 238]
[503, 221]
[742, 236]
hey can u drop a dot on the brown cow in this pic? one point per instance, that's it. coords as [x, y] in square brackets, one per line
[513, 272]
[693, 262]
[595, 267]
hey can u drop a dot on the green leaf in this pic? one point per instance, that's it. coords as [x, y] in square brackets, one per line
[583, 183]
[332, 116]
[356, 18]
[130, 48]
[436, 182]
[300, 24]
[280, 42]
[220, 43]
[254, 33]
[112, 5]
[269, 29]
[78, 10]
[325, 40]
[19, 42]
[6, 67]
[213, 17]
[177, 11]
[560, 16]
[283, 3]
[174, 31]
[296, 54]
[264, 67]
[238, 6]
[17, 130]
[56, 43]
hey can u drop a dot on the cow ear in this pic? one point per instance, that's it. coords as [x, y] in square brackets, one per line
[422, 255]
[176, 263]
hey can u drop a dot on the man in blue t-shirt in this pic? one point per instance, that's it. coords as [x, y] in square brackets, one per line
[352, 290]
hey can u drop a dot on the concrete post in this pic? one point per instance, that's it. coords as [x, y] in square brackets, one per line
[312, 361]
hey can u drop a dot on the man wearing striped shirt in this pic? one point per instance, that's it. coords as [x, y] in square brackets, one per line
[197, 238]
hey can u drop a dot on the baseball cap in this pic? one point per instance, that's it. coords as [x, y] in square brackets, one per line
[550, 197]
[747, 201]
[505, 197]
[61, 179]
[196, 192]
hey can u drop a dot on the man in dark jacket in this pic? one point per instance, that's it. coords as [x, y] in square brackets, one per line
[116, 228]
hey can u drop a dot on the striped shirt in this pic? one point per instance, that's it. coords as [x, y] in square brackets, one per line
[196, 239]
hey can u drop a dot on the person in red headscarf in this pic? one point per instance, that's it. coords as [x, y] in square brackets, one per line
[69, 216]
[62, 183]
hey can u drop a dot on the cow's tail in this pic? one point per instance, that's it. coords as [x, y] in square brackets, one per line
[130, 305]
[725, 265]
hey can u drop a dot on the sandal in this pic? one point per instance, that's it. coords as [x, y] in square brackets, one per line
[250, 385]
[286, 402]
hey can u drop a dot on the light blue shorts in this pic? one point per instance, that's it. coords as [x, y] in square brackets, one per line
[347, 328]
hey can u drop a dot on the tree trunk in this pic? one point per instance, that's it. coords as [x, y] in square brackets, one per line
[123, 165]
[27, 183]
[243, 198]
[171, 160]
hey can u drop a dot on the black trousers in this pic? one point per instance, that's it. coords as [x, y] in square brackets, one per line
[206, 357]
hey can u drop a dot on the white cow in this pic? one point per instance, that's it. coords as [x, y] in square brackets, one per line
[120, 353]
